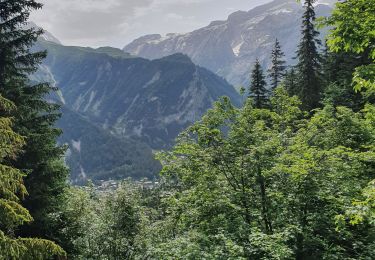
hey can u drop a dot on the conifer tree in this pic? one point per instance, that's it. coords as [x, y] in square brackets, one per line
[290, 82]
[308, 67]
[12, 190]
[34, 117]
[258, 90]
[276, 72]
[338, 70]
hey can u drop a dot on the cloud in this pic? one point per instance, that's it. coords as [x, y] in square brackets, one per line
[173, 16]
[117, 22]
[90, 22]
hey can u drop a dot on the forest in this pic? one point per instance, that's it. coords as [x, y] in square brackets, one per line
[290, 174]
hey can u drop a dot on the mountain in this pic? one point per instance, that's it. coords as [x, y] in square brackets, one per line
[96, 154]
[229, 48]
[133, 97]
[117, 108]
[93, 152]
[47, 36]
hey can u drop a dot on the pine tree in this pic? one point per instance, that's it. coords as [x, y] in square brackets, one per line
[258, 90]
[308, 67]
[276, 72]
[290, 81]
[12, 190]
[34, 117]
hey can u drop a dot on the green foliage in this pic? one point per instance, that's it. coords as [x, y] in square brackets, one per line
[290, 81]
[103, 224]
[364, 77]
[270, 182]
[308, 68]
[277, 70]
[338, 69]
[257, 90]
[353, 23]
[34, 118]
[12, 190]
[362, 211]
[264, 181]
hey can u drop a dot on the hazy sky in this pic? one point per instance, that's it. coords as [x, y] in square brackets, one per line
[117, 22]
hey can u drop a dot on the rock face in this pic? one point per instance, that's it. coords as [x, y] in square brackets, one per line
[151, 101]
[229, 48]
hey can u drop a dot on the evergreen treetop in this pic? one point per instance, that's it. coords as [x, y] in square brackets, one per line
[309, 60]
[258, 91]
[276, 72]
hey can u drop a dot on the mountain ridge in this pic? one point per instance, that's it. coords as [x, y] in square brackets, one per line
[138, 102]
[229, 47]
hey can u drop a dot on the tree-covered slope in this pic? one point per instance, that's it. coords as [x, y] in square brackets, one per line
[96, 154]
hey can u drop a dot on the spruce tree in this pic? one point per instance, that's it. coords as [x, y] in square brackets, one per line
[34, 117]
[258, 90]
[290, 81]
[276, 72]
[12, 190]
[308, 67]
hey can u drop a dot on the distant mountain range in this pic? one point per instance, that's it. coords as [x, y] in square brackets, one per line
[229, 48]
[117, 107]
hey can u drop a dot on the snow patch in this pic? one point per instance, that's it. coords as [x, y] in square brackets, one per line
[54, 83]
[92, 96]
[325, 2]
[61, 97]
[76, 145]
[282, 11]
[237, 49]
[95, 107]
[82, 174]
[164, 38]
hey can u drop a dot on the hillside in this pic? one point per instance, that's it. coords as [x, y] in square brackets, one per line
[96, 154]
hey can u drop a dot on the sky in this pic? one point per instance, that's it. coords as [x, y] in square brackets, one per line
[117, 22]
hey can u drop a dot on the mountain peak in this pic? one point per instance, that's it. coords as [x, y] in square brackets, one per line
[178, 57]
[47, 36]
[237, 16]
